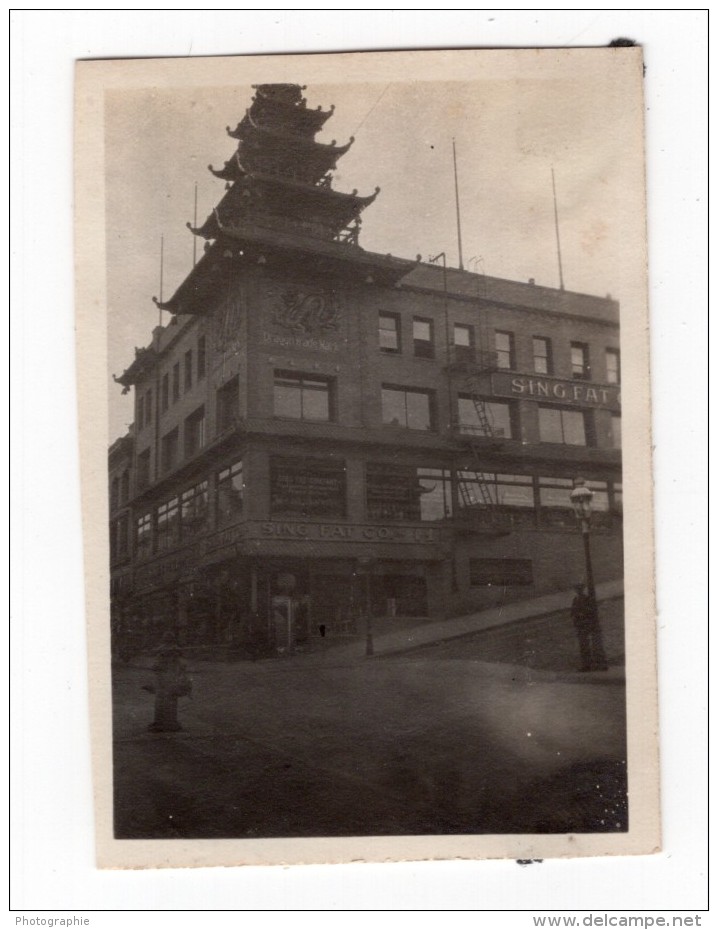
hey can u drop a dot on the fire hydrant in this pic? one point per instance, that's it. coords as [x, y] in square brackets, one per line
[171, 683]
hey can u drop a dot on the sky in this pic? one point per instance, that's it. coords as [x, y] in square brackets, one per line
[509, 132]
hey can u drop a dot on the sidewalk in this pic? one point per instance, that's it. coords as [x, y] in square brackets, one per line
[427, 633]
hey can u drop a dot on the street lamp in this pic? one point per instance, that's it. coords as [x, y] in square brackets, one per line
[581, 499]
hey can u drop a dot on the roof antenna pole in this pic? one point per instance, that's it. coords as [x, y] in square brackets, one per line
[162, 273]
[458, 212]
[194, 238]
[558, 239]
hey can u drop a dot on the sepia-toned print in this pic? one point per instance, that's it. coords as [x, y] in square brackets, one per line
[365, 476]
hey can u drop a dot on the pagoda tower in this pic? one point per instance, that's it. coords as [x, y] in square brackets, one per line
[279, 206]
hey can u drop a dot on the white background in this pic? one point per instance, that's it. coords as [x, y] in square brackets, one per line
[53, 866]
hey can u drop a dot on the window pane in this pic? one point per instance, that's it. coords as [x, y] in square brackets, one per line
[315, 400]
[499, 416]
[574, 428]
[550, 425]
[307, 487]
[404, 492]
[555, 497]
[468, 416]
[435, 501]
[422, 330]
[514, 495]
[613, 375]
[389, 333]
[540, 355]
[616, 430]
[418, 413]
[287, 399]
[462, 335]
[393, 407]
[230, 492]
[600, 495]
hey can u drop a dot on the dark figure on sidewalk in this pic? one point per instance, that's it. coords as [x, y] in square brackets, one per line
[171, 683]
[590, 641]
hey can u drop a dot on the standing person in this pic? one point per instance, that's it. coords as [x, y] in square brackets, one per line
[171, 683]
[590, 641]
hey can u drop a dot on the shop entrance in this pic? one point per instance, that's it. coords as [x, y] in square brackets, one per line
[399, 595]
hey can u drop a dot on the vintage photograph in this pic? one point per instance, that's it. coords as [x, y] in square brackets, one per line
[366, 343]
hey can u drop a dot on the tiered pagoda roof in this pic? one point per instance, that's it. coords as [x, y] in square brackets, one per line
[280, 204]
[281, 173]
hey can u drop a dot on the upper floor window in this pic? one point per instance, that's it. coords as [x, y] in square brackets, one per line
[230, 493]
[476, 488]
[542, 355]
[556, 506]
[140, 412]
[115, 494]
[170, 449]
[175, 382]
[406, 407]
[143, 469]
[148, 407]
[307, 487]
[188, 369]
[616, 430]
[194, 434]
[194, 509]
[463, 342]
[580, 366]
[168, 524]
[569, 427]
[201, 357]
[125, 487]
[165, 392]
[505, 352]
[302, 397]
[613, 366]
[228, 405]
[423, 332]
[407, 492]
[486, 418]
[389, 333]
[144, 535]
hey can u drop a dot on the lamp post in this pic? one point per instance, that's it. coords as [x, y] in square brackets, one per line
[581, 499]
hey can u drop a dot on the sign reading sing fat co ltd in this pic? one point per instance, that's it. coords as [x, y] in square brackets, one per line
[554, 390]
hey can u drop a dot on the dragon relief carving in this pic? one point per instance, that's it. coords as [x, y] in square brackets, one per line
[306, 313]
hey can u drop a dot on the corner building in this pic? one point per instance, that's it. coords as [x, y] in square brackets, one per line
[389, 432]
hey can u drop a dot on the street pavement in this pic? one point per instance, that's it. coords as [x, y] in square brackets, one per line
[456, 734]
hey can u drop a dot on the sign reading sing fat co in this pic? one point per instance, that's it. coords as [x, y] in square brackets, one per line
[554, 390]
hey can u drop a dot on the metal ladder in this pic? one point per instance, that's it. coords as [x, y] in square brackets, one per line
[475, 479]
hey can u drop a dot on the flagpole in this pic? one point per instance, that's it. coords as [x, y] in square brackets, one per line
[558, 239]
[458, 212]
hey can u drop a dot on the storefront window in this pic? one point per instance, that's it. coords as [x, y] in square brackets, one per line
[406, 492]
[500, 572]
[230, 493]
[304, 487]
[616, 430]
